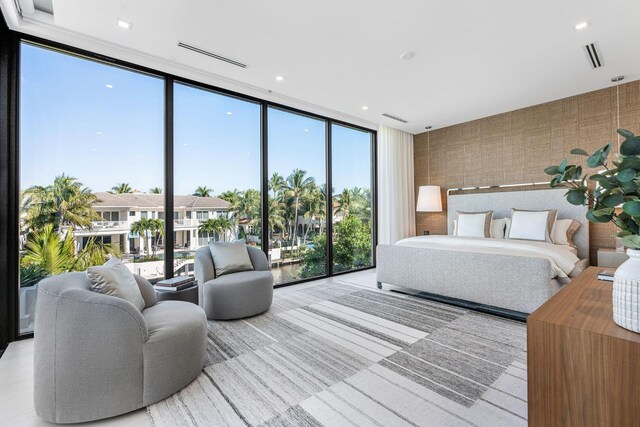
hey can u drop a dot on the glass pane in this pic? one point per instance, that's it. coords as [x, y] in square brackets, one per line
[91, 140]
[216, 170]
[352, 204]
[297, 201]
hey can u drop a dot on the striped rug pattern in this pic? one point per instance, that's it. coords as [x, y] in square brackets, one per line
[338, 354]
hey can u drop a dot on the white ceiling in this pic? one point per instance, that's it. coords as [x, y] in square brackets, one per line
[472, 58]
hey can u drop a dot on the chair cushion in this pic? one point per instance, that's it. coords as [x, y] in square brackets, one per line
[175, 352]
[230, 257]
[114, 278]
[238, 295]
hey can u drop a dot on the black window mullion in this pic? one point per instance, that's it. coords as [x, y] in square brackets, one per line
[264, 173]
[329, 196]
[169, 243]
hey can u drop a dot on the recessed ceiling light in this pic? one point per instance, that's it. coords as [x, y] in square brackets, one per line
[108, 86]
[124, 24]
[581, 26]
[280, 78]
[407, 56]
[229, 113]
[364, 107]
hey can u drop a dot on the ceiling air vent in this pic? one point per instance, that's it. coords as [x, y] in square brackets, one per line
[594, 57]
[212, 55]
[392, 117]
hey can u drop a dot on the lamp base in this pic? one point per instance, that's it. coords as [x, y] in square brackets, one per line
[425, 233]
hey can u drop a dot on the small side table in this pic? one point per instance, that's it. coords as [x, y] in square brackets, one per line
[189, 294]
[611, 258]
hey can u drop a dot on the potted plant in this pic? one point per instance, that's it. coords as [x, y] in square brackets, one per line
[614, 198]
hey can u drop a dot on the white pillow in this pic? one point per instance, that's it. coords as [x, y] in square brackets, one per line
[532, 225]
[497, 228]
[563, 231]
[473, 224]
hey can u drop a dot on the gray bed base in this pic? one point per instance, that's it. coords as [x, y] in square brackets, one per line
[515, 283]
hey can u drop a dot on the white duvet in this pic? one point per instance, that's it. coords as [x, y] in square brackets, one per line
[562, 259]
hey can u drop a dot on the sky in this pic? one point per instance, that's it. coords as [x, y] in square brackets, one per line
[105, 125]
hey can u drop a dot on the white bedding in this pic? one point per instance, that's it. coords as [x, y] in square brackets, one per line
[562, 259]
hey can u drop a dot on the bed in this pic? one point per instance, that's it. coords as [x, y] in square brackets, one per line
[502, 276]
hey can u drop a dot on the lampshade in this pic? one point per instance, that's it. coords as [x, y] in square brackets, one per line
[429, 199]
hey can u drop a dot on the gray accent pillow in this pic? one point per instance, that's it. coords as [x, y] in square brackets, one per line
[114, 278]
[230, 257]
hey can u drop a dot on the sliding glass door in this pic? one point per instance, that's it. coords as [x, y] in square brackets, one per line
[91, 147]
[216, 171]
[297, 196]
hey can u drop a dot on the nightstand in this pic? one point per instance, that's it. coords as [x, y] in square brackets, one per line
[611, 258]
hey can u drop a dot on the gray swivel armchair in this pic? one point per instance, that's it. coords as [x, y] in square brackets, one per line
[97, 356]
[235, 295]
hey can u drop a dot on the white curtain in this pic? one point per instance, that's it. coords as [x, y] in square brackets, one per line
[396, 199]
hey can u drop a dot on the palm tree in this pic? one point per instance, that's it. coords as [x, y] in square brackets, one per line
[51, 252]
[276, 183]
[66, 202]
[314, 207]
[276, 215]
[121, 188]
[216, 226]
[247, 207]
[348, 200]
[296, 185]
[143, 228]
[232, 196]
[203, 191]
[155, 190]
[156, 228]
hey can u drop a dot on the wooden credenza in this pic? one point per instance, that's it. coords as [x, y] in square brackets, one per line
[583, 369]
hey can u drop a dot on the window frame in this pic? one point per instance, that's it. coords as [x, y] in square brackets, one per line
[10, 144]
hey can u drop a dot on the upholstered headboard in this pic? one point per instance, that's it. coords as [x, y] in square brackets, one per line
[501, 200]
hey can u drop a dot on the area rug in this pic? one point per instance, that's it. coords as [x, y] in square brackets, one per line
[339, 354]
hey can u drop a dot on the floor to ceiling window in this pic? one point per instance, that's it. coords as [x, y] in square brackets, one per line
[91, 155]
[92, 176]
[297, 196]
[216, 171]
[351, 158]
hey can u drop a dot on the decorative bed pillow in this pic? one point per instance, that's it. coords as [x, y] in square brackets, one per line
[230, 257]
[563, 231]
[473, 224]
[497, 228]
[532, 225]
[114, 278]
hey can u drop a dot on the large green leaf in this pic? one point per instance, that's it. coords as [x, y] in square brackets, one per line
[632, 207]
[632, 241]
[579, 152]
[625, 133]
[593, 218]
[613, 200]
[552, 170]
[576, 197]
[595, 159]
[630, 147]
[630, 163]
[563, 165]
[626, 175]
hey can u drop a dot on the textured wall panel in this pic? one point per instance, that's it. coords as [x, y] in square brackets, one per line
[515, 147]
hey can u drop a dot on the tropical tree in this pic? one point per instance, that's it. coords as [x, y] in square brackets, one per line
[155, 190]
[48, 251]
[232, 196]
[121, 188]
[314, 207]
[276, 183]
[215, 226]
[66, 202]
[296, 185]
[276, 215]
[143, 228]
[156, 227]
[203, 191]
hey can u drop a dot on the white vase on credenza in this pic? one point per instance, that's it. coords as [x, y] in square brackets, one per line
[626, 292]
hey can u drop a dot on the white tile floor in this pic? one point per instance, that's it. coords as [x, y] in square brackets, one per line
[16, 374]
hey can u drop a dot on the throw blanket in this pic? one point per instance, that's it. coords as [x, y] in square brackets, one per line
[561, 258]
